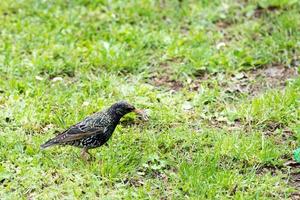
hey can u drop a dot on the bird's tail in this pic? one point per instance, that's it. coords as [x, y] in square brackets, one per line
[49, 143]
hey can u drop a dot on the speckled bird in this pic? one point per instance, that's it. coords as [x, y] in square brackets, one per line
[95, 130]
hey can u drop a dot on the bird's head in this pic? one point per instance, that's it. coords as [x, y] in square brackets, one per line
[121, 108]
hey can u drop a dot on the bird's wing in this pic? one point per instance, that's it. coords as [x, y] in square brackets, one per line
[86, 128]
[76, 133]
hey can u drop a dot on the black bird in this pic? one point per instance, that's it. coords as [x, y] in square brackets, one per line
[95, 130]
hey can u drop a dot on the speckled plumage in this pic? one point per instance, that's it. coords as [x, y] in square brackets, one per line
[103, 125]
[95, 130]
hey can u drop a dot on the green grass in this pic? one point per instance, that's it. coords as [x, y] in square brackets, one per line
[63, 60]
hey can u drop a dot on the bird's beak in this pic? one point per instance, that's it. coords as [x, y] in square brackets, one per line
[141, 113]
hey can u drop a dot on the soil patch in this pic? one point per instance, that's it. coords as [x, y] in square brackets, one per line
[165, 81]
[250, 82]
[223, 24]
[260, 11]
[291, 169]
[256, 81]
[163, 76]
[223, 122]
[294, 177]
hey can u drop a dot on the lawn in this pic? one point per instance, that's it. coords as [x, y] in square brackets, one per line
[219, 80]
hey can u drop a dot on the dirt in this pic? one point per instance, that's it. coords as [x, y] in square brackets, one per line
[260, 11]
[294, 179]
[272, 76]
[291, 169]
[184, 30]
[273, 170]
[135, 181]
[222, 24]
[165, 81]
[251, 82]
[255, 81]
[272, 126]
[162, 76]
[223, 122]
[138, 180]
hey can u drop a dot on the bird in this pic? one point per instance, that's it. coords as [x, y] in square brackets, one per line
[95, 130]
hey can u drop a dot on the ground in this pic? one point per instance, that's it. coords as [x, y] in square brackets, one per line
[219, 80]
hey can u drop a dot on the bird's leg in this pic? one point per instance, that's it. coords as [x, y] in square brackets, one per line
[85, 154]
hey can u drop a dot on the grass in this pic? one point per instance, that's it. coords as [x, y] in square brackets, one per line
[215, 77]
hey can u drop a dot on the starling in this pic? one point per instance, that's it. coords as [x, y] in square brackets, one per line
[95, 130]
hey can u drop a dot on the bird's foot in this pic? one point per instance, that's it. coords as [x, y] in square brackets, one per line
[86, 155]
[100, 162]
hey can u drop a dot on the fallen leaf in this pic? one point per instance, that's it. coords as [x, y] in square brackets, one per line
[48, 127]
[221, 119]
[274, 71]
[187, 105]
[85, 103]
[55, 79]
[220, 45]
[240, 75]
[291, 163]
[39, 78]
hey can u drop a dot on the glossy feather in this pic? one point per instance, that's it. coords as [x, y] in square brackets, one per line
[94, 130]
